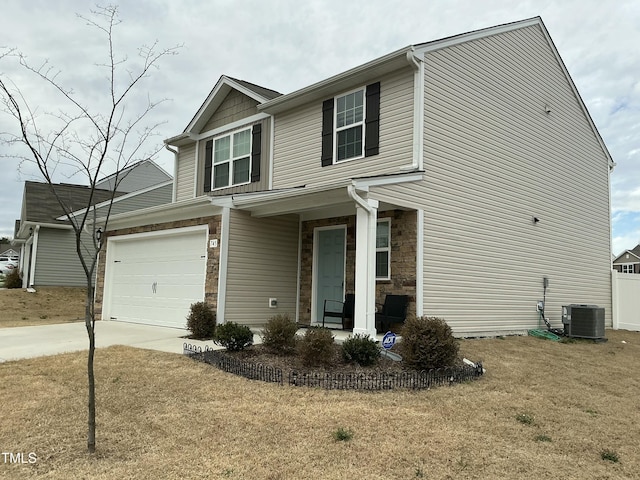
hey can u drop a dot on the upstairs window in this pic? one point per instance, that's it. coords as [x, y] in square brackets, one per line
[351, 125]
[231, 159]
[627, 268]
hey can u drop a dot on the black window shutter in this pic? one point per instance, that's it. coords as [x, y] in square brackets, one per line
[327, 132]
[372, 122]
[208, 165]
[256, 152]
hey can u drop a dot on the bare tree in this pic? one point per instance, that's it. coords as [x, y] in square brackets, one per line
[83, 140]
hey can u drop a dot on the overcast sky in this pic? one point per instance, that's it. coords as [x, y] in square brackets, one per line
[288, 44]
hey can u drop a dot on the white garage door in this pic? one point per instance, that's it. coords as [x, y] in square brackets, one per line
[155, 279]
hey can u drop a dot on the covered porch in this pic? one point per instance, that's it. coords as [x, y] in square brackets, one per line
[348, 243]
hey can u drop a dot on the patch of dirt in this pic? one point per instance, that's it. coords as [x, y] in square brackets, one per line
[48, 305]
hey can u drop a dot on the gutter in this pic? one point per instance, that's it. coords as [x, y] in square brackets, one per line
[329, 86]
[24, 227]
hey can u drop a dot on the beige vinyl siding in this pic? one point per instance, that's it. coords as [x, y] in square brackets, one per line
[57, 263]
[493, 160]
[262, 264]
[298, 139]
[185, 174]
[263, 183]
[234, 107]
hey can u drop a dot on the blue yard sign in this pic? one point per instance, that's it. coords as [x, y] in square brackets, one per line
[389, 340]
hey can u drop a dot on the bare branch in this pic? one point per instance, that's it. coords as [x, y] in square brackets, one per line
[81, 138]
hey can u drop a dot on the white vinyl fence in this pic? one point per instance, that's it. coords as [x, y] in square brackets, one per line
[626, 300]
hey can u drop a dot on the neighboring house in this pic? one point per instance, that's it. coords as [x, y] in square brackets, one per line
[461, 172]
[7, 251]
[48, 248]
[628, 261]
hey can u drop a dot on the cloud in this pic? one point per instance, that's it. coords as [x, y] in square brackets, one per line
[286, 45]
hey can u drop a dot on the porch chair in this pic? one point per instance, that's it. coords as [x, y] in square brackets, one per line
[343, 310]
[393, 311]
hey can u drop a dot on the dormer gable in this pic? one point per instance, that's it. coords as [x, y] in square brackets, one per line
[229, 98]
[225, 147]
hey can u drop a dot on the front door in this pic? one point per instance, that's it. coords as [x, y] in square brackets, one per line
[329, 267]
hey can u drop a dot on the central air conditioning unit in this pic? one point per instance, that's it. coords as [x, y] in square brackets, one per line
[583, 321]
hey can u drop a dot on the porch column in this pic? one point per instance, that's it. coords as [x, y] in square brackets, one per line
[365, 281]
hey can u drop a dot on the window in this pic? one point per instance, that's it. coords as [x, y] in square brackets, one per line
[627, 268]
[232, 159]
[383, 250]
[349, 125]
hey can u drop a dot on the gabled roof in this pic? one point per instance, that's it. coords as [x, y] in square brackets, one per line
[412, 55]
[403, 57]
[6, 249]
[125, 171]
[41, 205]
[634, 252]
[222, 88]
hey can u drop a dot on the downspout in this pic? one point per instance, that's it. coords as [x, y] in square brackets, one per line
[418, 110]
[175, 171]
[223, 249]
[271, 150]
[34, 254]
[614, 276]
[299, 270]
[370, 291]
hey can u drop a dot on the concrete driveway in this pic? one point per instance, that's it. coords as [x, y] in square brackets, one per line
[29, 342]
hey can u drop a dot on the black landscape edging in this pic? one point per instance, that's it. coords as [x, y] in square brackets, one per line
[415, 380]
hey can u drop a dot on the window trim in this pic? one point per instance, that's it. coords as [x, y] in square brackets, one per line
[230, 161]
[384, 249]
[627, 266]
[361, 124]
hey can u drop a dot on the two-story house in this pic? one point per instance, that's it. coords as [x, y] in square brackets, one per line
[628, 261]
[47, 242]
[461, 172]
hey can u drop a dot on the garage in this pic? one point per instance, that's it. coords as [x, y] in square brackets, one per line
[153, 278]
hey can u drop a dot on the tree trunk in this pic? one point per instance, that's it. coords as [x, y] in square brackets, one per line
[90, 324]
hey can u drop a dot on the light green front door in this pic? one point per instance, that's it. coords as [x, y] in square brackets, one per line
[329, 268]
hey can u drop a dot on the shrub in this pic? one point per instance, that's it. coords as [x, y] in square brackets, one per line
[13, 279]
[201, 320]
[316, 347]
[427, 343]
[361, 349]
[279, 334]
[232, 336]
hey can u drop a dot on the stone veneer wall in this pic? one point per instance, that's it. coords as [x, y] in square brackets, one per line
[213, 255]
[403, 259]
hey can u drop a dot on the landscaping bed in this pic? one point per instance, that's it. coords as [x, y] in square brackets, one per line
[256, 363]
